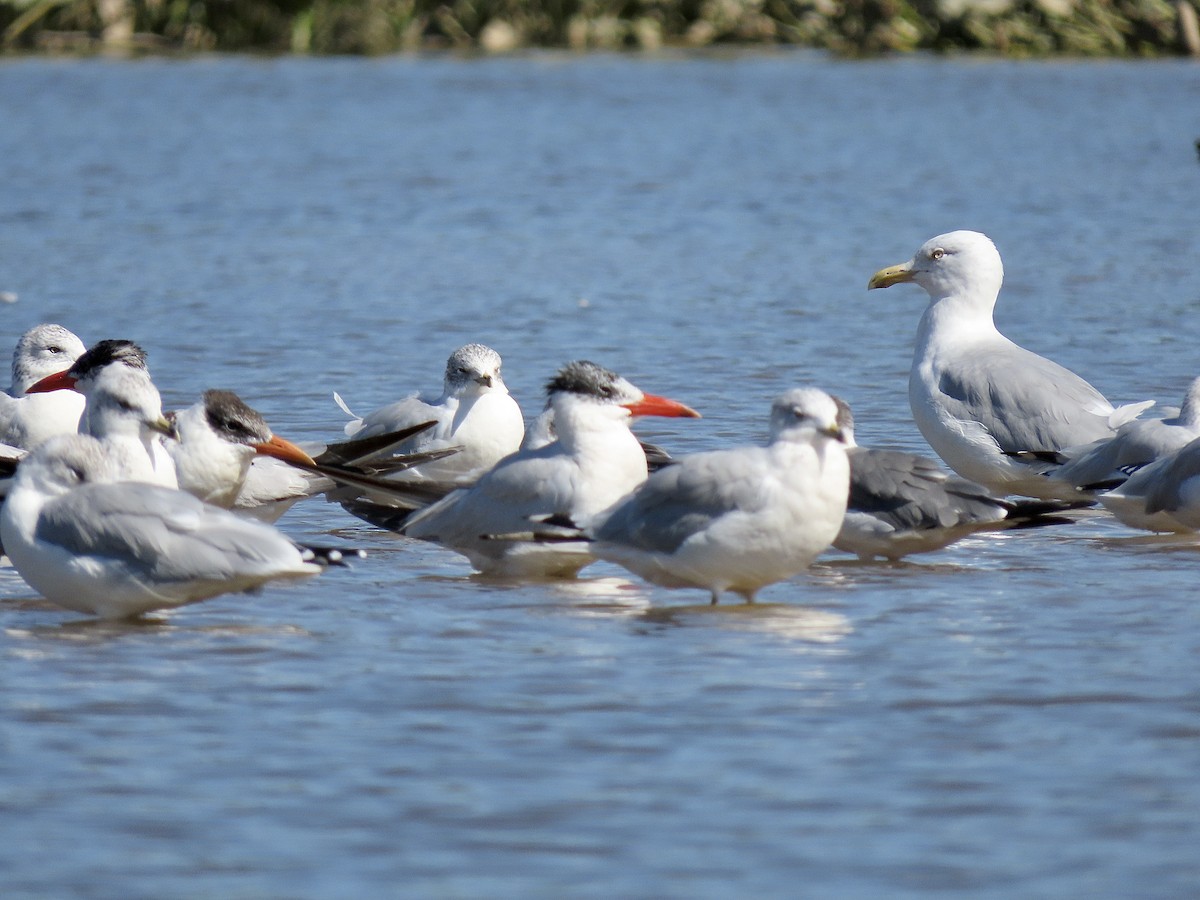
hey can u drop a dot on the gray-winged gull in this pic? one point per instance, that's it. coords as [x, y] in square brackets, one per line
[739, 519]
[990, 408]
[121, 549]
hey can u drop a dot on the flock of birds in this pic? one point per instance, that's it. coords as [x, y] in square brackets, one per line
[114, 509]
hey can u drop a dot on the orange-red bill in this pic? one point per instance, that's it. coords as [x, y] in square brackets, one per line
[285, 450]
[652, 405]
[59, 381]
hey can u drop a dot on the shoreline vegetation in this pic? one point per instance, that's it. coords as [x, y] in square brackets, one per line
[846, 28]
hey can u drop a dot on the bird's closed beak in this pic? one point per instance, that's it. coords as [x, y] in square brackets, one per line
[59, 381]
[284, 450]
[484, 380]
[652, 405]
[163, 425]
[891, 275]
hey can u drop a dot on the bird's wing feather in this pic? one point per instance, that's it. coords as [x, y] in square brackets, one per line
[1037, 405]
[164, 534]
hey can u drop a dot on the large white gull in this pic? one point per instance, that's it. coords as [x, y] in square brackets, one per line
[992, 410]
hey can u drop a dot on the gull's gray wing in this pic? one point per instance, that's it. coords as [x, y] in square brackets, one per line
[1025, 401]
[909, 491]
[161, 534]
[1165, 493]
[685, 498]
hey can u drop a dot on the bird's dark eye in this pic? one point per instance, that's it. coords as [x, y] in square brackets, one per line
[126, 405]
[55, 349]
[937, 253]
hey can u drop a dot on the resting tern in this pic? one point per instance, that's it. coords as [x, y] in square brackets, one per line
[739, 519]
[595, 461]
[990, 408]
[28, 419]
[218, 439]
[120, 549]
[475, 413]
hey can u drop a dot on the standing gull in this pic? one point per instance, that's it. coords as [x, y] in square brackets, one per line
[990, 408]
[739, 519]
[118, 550]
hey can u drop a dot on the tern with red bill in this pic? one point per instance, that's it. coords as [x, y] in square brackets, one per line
[594, 462]
[123, 409]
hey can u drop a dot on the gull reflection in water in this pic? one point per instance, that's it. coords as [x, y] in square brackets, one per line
[785, 620]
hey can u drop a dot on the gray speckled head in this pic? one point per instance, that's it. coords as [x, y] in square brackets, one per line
[41, 351]
[586, 379]
[472, 364]
[229, 416]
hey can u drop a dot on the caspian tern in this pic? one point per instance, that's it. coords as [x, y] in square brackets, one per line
[474, 413]
[218, 439]
[902, 503]
[739, 519]
[595, 460]
[990, 408]
[27, 420]
[123, 409]
[118, 550]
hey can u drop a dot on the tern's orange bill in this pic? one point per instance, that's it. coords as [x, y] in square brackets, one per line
[285, 450]
[652, 405]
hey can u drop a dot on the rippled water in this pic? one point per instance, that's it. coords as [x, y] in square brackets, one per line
[1018, 715]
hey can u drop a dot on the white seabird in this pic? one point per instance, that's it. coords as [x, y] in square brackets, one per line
[120, 549]
[475, 414]
[738, 519]
[594, 461]
[990, 408]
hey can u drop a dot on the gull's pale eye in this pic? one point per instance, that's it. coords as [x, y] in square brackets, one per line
[937, 253]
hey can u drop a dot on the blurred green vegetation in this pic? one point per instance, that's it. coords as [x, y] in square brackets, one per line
[844, 27]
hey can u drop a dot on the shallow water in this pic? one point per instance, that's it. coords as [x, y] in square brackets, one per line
[1017, 715]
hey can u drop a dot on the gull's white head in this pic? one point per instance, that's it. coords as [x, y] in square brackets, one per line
[806, 414]
[65, 462]
[962, 264]
[43, 350]
[474, 368]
